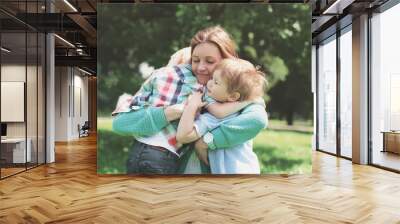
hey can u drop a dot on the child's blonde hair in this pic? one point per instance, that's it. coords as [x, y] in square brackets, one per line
[243, 77]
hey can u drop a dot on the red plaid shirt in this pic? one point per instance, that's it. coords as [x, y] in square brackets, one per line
[166, 86]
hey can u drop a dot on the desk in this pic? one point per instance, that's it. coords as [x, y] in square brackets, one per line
[391, 141]
[13, 150]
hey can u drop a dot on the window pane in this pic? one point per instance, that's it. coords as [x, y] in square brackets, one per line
[345, 94]
[14, 150]
[386, 88]
[327, 96]
[31, 96]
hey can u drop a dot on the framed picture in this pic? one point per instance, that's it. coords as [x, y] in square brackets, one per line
[204, 89]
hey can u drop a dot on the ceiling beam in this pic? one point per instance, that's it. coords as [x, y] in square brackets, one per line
[337, 6]
[84, 24]
[81, 61]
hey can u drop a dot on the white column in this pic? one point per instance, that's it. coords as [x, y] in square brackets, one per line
[314, 93]
[360, 90]
[50, 94]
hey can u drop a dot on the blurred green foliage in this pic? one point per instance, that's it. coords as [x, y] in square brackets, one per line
[113, 152]
[275, 36]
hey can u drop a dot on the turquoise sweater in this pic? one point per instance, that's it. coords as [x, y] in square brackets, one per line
[144, 122]
[149, 121]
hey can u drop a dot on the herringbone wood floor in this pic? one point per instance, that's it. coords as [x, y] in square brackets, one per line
[69, 191]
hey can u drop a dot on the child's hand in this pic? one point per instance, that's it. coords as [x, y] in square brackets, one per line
[195, 100]
[201, 150]
[202, 154]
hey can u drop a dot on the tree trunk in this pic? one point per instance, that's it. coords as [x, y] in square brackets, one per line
[289, 117]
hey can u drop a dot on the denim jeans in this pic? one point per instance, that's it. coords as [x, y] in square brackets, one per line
[148, 159]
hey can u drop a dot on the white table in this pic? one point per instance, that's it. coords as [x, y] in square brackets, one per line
[18, 145]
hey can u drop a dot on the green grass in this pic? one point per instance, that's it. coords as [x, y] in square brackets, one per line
[283, 151]
[307, 123]
[104, 123]
[279, 151]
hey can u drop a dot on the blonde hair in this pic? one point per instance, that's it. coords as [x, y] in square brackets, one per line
[241, 76]
[218, 36]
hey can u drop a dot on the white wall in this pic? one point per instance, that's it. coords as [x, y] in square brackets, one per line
[12, 101]
[12, 73]
[61, 103]
[71, 94]
[17, 73]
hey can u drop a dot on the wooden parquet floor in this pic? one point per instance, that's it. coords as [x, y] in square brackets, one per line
[70, 191]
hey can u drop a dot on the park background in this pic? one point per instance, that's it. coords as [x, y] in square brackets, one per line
[134, 40]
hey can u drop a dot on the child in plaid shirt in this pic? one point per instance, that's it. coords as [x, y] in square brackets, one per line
[235, 84]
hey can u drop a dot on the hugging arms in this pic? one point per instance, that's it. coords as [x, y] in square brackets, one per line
[152, 115]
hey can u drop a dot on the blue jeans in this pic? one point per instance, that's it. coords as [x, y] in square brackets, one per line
[148, 159]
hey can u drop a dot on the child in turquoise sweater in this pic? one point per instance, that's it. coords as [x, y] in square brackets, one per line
[235, 84]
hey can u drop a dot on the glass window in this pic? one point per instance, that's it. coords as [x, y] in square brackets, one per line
[14, 149]
[385, 89]
[22, 92]
[346, 93]
[31, 96]
[327, 95]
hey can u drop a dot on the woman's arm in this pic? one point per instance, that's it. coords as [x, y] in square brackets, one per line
[146, 121]
[239, 129]
[222, 110]
[142, 122]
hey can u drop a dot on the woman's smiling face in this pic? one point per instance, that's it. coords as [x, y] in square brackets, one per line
[205, 57]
